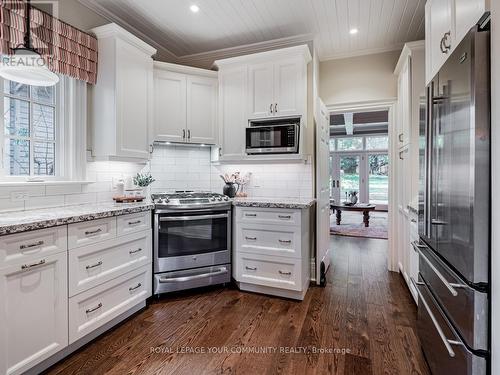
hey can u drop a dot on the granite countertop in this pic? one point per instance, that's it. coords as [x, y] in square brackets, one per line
[14, 222]
[290, 203]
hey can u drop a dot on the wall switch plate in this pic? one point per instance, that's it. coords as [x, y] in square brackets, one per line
[18, 196]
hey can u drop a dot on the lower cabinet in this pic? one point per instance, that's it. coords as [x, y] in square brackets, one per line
[271, 251]
[97, 306]
[33, 311]
[60, 284]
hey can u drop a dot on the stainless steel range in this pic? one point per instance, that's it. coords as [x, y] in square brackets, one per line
[192, 240]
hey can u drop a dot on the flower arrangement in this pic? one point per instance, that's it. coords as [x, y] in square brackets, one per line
[143, 179]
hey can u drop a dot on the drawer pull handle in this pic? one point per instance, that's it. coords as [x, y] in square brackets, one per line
[251, 268]
[134, 222]
[35, 244]
[285, 273]
[28, 266]
[284, 217]
[88, 311]
[135, 251]
[285, 241]
[132, 288]
[251, 238]
[93, 265]
[91, 232]
[250, 215]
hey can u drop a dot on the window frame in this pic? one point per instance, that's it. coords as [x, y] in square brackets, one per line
[363, 149]
[60, 171]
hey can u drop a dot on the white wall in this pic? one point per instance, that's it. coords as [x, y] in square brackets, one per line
[358, 79]
[495, 188]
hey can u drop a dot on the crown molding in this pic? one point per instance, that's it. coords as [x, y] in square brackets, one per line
[364, 52]
[113, 30]
[100, 10]
[408, 49]
[159, 65]
[207, 59]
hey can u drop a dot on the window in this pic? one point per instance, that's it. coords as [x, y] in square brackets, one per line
[30, 133]
[377, 143]
[350, 143]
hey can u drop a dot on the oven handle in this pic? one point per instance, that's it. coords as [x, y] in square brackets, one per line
[194, 217]
[220, 271]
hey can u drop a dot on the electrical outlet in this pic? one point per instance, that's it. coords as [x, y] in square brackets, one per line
[18, 196]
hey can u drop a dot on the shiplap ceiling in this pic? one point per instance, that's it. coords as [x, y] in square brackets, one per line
[222, 26]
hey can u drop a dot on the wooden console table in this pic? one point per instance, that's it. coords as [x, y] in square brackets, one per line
[365, 208]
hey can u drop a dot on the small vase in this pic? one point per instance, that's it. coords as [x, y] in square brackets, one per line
[146, 192]
[229, 189]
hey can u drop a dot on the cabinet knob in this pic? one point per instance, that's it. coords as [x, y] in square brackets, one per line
[189, 134]
[271, 108]
[183, 133]
[275, 107]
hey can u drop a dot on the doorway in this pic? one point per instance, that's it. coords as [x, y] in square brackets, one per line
[359, 171]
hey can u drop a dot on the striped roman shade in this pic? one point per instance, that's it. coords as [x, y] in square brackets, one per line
[66, 49]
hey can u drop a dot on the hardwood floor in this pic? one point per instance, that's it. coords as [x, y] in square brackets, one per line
[364, 313]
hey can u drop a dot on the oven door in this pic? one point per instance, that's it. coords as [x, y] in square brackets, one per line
[273, 139]
[191, 239]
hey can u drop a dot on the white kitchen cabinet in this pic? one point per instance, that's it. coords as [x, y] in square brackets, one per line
[277, 88]
[121, 102]
[261, 90]
[270, 84]
[410, 109]
[232, 112]
[33, 311]
[185, 104]
[169, 106]
[271, 253]
[446, 24]
[202, 109]
[290, 87]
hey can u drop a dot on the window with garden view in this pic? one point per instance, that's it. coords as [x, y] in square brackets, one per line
[29, 135]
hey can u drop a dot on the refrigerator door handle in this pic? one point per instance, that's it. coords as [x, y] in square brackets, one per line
[450, 286]
[447, 342]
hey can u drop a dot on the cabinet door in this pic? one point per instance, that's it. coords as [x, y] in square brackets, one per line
[438, 18]
[232, 112]
[261, 95]
[201, 109]
[169, 107]
[33, 312]
[133, 116]
[467, 14]
[289, 88]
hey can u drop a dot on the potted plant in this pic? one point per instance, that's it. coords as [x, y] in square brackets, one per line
[144, 180]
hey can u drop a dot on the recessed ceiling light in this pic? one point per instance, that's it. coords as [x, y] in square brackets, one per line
[353, 31]
[194, 8]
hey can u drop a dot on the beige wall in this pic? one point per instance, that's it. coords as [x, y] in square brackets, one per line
[358, 79]
[79, 16]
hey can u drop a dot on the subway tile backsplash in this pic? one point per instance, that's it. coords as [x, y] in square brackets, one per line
[174, 168]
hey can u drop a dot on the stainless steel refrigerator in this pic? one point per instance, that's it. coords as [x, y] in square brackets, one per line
[454, 213]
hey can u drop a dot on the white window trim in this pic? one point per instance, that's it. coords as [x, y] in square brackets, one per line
[71, 136]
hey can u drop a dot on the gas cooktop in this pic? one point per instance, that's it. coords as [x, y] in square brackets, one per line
[189, 199]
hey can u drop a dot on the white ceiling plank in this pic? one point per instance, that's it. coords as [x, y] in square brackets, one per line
[229, 25]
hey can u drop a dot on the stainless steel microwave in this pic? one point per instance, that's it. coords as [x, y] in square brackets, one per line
[276, 136]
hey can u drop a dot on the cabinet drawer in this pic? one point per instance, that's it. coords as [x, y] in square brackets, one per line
[269, 240]
[93, 308]
[89, 232]
[268, 216]
[133, 223]
[92, 265]
[284, 273]
[23, 247]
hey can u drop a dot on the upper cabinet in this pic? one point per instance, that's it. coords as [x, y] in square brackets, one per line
[446, 24]
[121, 101]
[185, 104]
[262, 85]
[277, 88]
